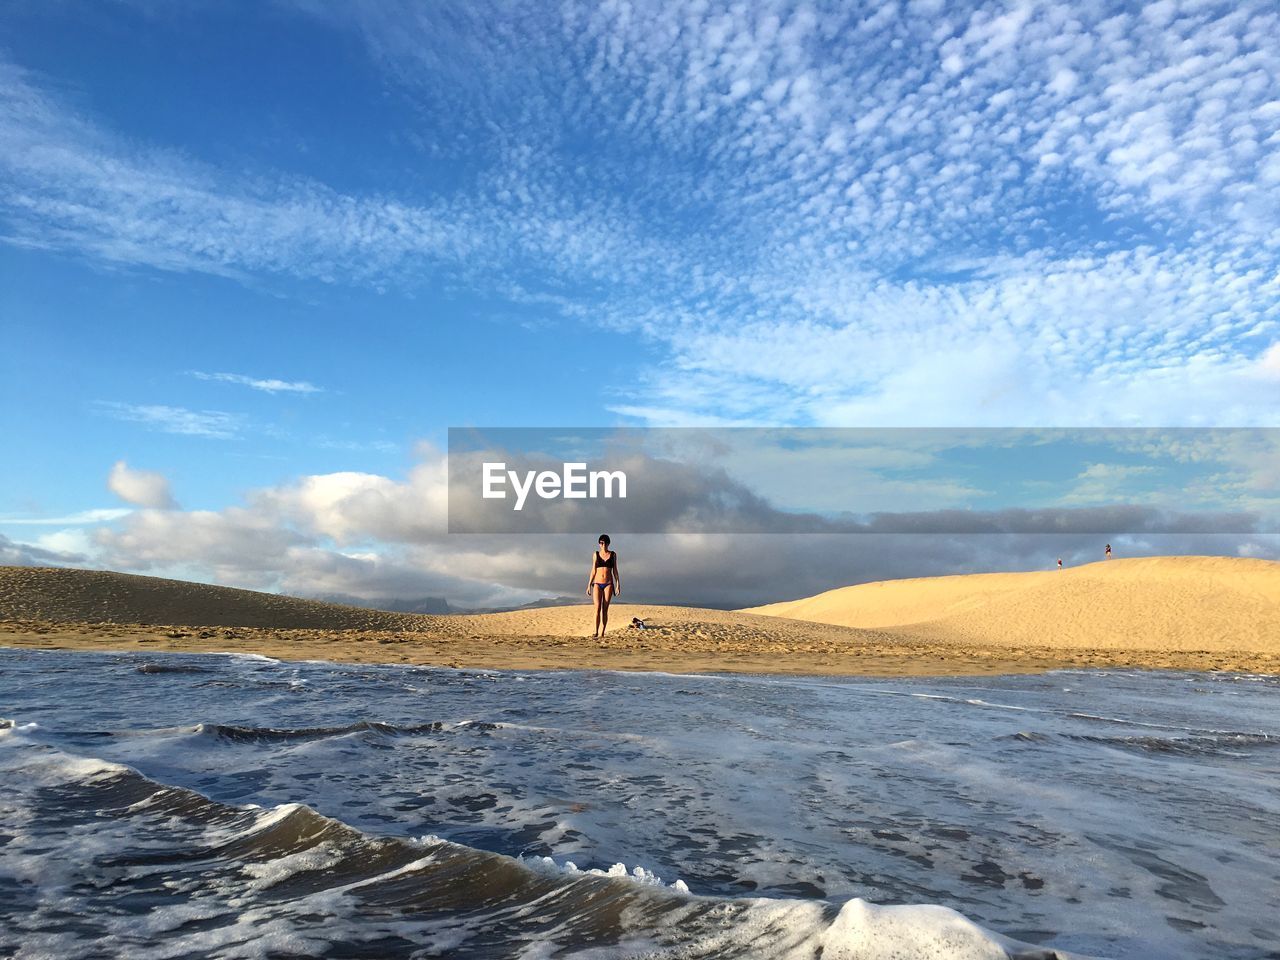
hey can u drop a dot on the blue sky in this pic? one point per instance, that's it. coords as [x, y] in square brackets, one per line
[271, 251]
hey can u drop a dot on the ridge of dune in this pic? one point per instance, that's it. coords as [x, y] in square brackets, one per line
[103, 596]
[1171, 603]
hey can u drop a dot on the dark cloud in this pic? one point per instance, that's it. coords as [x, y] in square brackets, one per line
[670, 496]
[372, 537]
[25, 555]
[736, 570]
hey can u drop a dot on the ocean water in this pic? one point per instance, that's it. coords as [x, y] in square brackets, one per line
[219, 805]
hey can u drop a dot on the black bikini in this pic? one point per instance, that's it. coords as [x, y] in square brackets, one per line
[609, 564]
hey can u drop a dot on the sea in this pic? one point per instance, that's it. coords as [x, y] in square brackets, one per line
[222, 805]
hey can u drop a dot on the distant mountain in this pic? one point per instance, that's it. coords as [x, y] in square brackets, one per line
[437, 605]
[531, 605]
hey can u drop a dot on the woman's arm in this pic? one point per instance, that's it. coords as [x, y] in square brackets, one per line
[617, 575]
[591, 575]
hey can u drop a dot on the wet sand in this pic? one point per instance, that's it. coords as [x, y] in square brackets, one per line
[685, 647]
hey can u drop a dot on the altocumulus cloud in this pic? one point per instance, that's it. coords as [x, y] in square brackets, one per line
[946, 213]
[972, 213]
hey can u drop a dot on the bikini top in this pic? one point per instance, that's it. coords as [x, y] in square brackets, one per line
[610, 564]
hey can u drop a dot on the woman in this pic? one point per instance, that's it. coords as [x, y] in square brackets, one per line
[605, 582]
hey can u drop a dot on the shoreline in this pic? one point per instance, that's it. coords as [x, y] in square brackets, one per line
[687, 651]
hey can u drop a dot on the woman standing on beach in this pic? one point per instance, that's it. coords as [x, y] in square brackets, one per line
[605, 582]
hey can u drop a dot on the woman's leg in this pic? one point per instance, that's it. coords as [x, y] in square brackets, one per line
[597, 595]
[606, 595]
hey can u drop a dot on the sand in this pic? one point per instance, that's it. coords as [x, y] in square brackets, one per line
[1197, 613]
[1170, 604]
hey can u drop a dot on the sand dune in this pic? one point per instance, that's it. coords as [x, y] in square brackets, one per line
[1178, 612]
[1167, 603]
[58, 594]
[102, 596]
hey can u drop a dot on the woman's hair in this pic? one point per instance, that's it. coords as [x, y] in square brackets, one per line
[604, 538]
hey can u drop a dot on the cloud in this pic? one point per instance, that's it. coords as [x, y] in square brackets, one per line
[1102, 172]
[83, 517]
[142, 488]
[1035, 342]
[1103, 482]
[270, 385]
[873, 494]
[921, 213]
[73, 544]
[371, 536]
[1042, 214]
[196, 423]
[353, 508]
[78, 187]
[357, 446]
[75, 186]
[29, 555]
[1269, 362]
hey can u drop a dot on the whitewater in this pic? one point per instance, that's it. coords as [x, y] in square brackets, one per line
[166, 806]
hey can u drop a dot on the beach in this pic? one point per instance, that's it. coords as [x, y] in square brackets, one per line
[1173, 613]
[640, 481]
[947, 766]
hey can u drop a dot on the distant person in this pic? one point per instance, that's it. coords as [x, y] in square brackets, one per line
[605, 582]
[1059, 563]
[1107, 556]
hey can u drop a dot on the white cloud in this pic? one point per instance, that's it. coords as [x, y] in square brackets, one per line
[267, 385]
[1101, 483]
[1269, 362]
[357, 446]
[1094, 164]
[783, 197]
[68, 544]
[1064, 81]
[13, 553]
[197, 423]
[86, 517]
[357, 507]
[1032, 342]
[142, 488]
[78, 187]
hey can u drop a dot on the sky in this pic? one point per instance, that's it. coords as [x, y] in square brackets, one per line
[257, 258]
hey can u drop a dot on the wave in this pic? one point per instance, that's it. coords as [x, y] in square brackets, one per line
[248, 734]
[252, 734]
[183, 873]
[1222, 744]
[171, 667]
